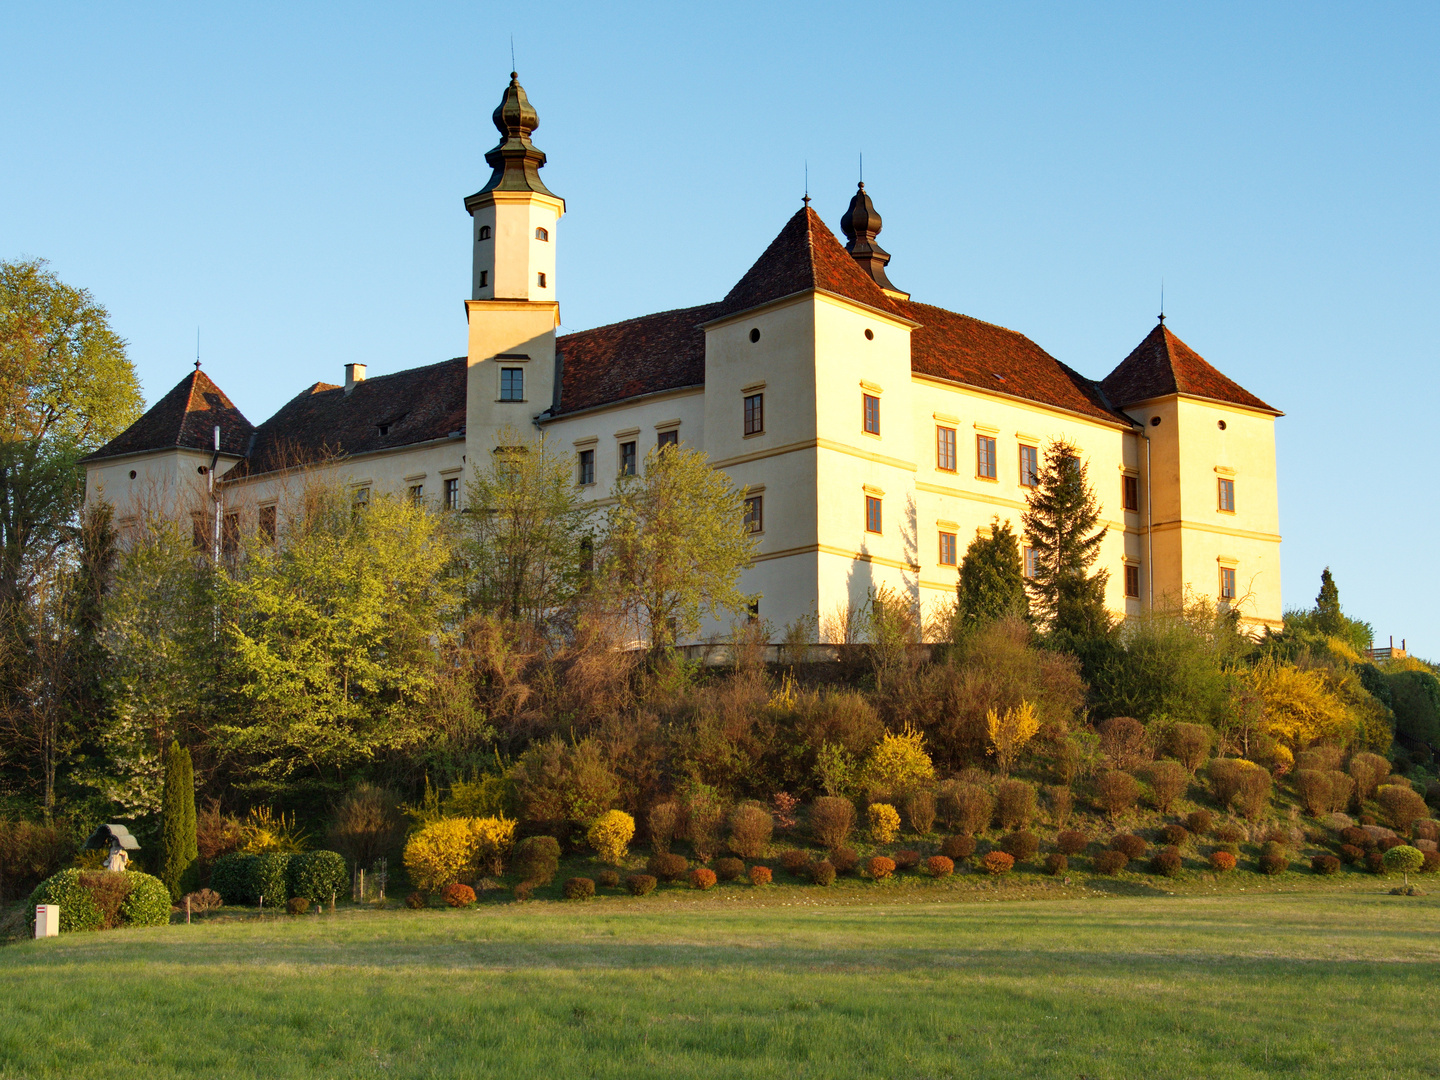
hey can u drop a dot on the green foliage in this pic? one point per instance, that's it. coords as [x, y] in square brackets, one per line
[1060, 522]
[1403, 859]
[147, 903]
[1416, 698]
[244, 877]
[317, 875]
[992, 579]
[1327, 606]
[564, 786]
[78, 911]
[537, 858]
[177, 828]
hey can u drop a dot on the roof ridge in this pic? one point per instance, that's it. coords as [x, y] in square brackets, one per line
[636, 318]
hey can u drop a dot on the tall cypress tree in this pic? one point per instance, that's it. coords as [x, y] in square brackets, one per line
[992, 579]
[1327, 606]
[1060, 520]
[177, 822]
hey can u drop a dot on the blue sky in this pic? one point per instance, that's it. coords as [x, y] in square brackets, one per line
[289, 177]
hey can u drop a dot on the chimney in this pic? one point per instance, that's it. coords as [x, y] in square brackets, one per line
[354, 373]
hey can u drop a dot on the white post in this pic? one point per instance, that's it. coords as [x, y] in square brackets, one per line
[47, 920]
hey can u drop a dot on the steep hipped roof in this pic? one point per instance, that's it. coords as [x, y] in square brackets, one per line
[1162, 364]
[657, 352]
[185, 417]
[414, 406]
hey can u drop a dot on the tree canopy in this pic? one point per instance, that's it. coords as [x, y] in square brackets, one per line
[992, 579]
[1060, 519]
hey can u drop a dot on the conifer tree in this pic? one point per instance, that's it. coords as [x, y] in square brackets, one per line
[1329, 620]
[177, 823]
[992, 580]
[1059, 523]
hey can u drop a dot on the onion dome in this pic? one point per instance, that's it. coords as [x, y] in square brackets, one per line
[861, 224]
[516, 161]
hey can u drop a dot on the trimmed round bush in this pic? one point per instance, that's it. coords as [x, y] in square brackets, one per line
[906, 860]
[1426, 829]
[610, 835]
[1357, 837]
[608, 879]
[317, 875]
[1166, 862]
[641, 884]
[845, 860]
[938, 866]
[1130, 845]
[729, 869]
[1110, 862]
[1403, 859]
[1273, 859]
[1175, 834]
[1375, 862]
[102, 899]
[230, 877]
[1351, 854]
[1431, 863]
[1222, 861]
[703, 878]
[959, 846]
[822, 872]
[578, 888]
[751, 827]
[1401, 805]
[1325, 864]
[1071, 842]
[1056, 864]
[416, 900]
[1199, 822]
[537, 858]
[997, 863]
[880, 867]
[147, 903]
[458, 894]
[1020, 845]
[794, 860]
[1233, 849]
[298, 905]
[244, 878]
[668, 866]
[832, 820]
[760, 875]
[1015, 804]
[1278, 835]
[1116, 792]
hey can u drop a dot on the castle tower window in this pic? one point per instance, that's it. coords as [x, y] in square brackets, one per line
[871, 413]
[542, 234]
[1130, 492]
[1227, 496]
[755, 513]
[484, 233]
[512, 384]
[1227, 583]
[484, 279]
[755, 414]
[540, 279]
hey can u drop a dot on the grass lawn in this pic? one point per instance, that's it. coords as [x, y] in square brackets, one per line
[789, 982]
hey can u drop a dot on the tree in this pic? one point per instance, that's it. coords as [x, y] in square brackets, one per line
[526, 531]
[1327, 606]
[992, 579]
[177, 822]
[1061, 513]
[675, 544]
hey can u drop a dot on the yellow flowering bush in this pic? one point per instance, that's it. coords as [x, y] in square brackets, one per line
[492, 838]
[447, 850]
[610, 835]
[884, 822]
[899, 764]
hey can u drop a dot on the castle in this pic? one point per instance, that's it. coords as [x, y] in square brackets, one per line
[874, 434]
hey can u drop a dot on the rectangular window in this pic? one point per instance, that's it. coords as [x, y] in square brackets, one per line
[484, 279]
[512, 384]
[945, 448]
[1028, 555]
[1132, 581]
[627, 459]
[1130, 492]
[985, 457]
[587, 466]
[947, 549]
[230, 534]
[872, 514]
[755, 414]
[872, 414]
[1029, 466]
[540, 279]
[417, 494]
[452, 493]
[267, 522]
[755, 513]
[1227, 496]
[668, 438]
[359, 499]
[199, 532]
[1227, 583]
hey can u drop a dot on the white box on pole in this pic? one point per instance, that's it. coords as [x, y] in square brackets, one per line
[47, 920]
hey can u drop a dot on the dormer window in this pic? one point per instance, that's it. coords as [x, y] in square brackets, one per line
[542, 234]
[384, 429]
[484, 233]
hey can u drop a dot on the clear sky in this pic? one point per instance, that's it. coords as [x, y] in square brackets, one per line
[289, 177]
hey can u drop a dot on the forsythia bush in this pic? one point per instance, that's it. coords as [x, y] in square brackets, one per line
[610, 835]
[493, 837]
[899, 763]
[444, 851]
[884, 822]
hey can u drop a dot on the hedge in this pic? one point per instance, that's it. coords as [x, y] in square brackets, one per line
[244, 878]
[146, 903]
[317, 875]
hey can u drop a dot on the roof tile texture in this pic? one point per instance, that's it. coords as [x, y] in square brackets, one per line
[1162, 364]
[657, 352]
[185, 417]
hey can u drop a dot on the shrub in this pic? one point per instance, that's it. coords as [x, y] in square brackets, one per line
[1122, 741]
[366, 825]
[906, 860]
[668, 867]
[1020, 845]
[794, 860]
[1342, 789]
[959, 846]
[608, 879]
[898, 763]
[729, 869]
[759, 875]
[524, 890]
[1222, 861]
[1325, 864]
[965, 808]
[831, 821]
[1352, 854]
[884, 822]
[1278, 835]
[702, 819]
[845, 860]
[702, 878]
[918, 808]
[1233, 849]
[1129, 845]
[1230, 833]
[416, 900]
[298, 905]
[1071, 842]
[1016, 803]
[1168, 781]
[537, 858]
[1273, 859]
[1199, 822]
[1056, 864]
[1110, 862]
[145, 901]
[1368, 770]
[1167, 861]
[640, 884]
[938, 866]
[1174, 834]
[230, 877]
[243, 878]
[1428, 829]
[1241, 783]
[449, 849]
[997, 863]
[1116, 792]
[317, 875]
[578, 888]
[1191, 744]
[1375, 862]
[458, 895]
[610, 835]
[269, 875]
[751, 827]
[1401, 805]
[1062, 804]
[1314, 789]
[1431, 863]
[822, 872]
[661, 822]
[880, 867]
[202, 900]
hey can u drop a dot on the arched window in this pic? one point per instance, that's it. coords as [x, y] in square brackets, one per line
[484, 233]
[541, 234]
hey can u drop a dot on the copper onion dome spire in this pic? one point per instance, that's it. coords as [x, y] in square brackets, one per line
[861, 224]
[516, 161]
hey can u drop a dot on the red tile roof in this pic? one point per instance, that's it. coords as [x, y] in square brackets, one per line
[1162, 364]
[414, 406]
[185, 417]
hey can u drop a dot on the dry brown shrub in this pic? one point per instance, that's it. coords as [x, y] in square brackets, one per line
[1313, 787]
[1368, 770]
[1123, 742]
[966, 808]
[367, 824]
[1168, 781]
[1116, 792]
[1253, 798]
[1062, 804]
[831, 821]
[108, 889]
[661, 821]
[1401, 805]
[1320, 758]
[702, 820]
[1342, 789]
[918, 809]
[1066, 759]
[1190, 743]
[216, 833]
[1015, 800]
[751, 827]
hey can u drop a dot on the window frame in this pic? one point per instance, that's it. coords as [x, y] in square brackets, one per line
[985, 454]
[417, 494]
[754, 516]
[540, 280]
[947, 449]
[511, 375]
[484, 233]
[668, 437]
[1228, 590]
[1225, 493]
[542, 234]
[870, 414]
[954, 552]
[1029, 470]
[1130, 493]
[267, 523]
[452, 493]
[586, 461]
[1132, 581]
[484, 279]
[1029, 563]
[629, 458]
[754, 414]
[874, 515]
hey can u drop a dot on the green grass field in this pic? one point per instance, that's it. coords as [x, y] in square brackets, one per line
[786, 983]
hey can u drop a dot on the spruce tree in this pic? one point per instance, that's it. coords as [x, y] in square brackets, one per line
[1328, 619]
[177, 822]
[992, 580]
[1059, 522]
